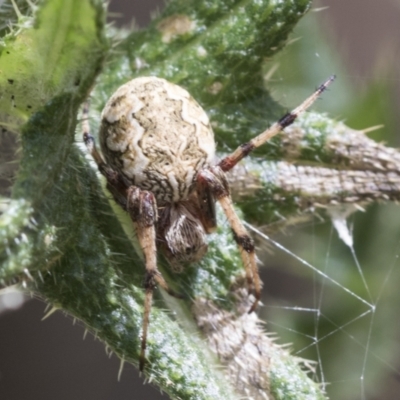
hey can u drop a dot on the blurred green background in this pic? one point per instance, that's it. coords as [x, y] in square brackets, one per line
[356, 348]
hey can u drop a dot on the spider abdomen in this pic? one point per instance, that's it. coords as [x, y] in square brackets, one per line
[157, 136]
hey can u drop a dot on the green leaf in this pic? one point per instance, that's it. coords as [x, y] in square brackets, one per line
[80, 253]
[51, 57]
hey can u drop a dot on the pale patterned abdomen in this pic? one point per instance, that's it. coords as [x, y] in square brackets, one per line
[158, 136]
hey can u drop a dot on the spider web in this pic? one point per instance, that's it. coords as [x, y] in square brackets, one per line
[331, 287]
[338, 309]
[336, 302]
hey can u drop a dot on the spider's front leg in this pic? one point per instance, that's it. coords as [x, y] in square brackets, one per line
[213, 179]
[229, 162]
[142, 208]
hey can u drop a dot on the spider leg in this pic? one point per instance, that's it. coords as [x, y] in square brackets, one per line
[214, 178]
[142, 208]
[207, 205]
[242, 151]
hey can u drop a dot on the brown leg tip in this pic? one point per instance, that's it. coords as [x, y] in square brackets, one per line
[254, 306]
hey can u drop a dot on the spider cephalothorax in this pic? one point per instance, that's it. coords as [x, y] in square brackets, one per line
[159, 150]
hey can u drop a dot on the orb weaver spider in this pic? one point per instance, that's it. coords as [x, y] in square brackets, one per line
[158, 148]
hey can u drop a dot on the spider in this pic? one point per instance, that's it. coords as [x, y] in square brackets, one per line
[158, 149]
